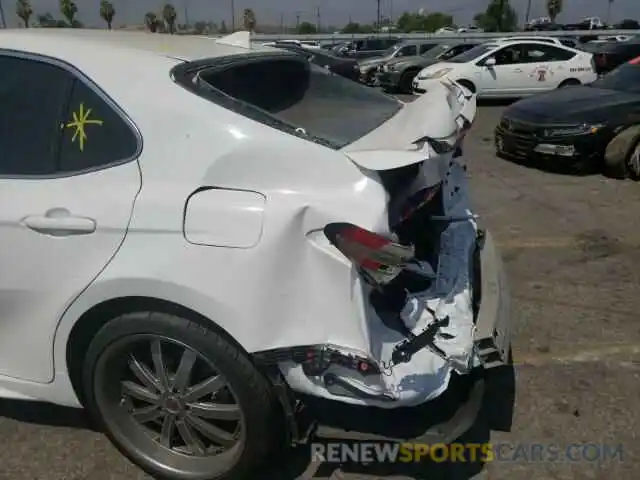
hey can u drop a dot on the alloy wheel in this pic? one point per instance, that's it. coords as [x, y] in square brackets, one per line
[167, 403]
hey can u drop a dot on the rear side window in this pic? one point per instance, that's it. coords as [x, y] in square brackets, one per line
[408, 51]
[545, 53]
[32, 99]
[322, 106]
[93, 133]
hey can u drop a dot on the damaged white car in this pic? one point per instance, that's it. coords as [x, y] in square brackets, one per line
[226, 249]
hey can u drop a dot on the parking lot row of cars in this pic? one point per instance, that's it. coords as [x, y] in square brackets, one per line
[592, 124]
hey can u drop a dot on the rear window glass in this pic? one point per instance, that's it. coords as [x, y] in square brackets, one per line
[328, 108]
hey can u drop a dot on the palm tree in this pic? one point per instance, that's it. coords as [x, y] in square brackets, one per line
[69, 9]
[249, 19]
[107, 12]
[24, 11]
[151, 21]
[169, 15]
[554, 7]
[609, 5]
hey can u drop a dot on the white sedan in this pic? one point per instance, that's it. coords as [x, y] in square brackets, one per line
[512, 69]
[200, 237]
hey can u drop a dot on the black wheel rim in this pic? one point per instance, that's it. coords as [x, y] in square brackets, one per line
[168, 405]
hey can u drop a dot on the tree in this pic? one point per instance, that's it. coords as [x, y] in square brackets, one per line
[499, 17]
[69, 10]
[554, 7]
[151, 21]
[46, 20]
[169, 16]
[418, 22]
[107, 12]
[200, 27]
[306, 28]
[24, 11]
[223, 27]
[249, 20]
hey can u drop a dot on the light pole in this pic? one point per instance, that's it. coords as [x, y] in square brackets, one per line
[233, 16]
[526, 18]
[378, 22]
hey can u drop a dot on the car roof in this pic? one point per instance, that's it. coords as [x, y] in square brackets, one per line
[74, 44]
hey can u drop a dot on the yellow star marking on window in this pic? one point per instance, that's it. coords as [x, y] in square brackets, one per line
[80, 121]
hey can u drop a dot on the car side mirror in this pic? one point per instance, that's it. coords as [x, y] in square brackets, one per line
[490, 62]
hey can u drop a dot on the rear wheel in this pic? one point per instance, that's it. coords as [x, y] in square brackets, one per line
[570, 82]
[179, 399]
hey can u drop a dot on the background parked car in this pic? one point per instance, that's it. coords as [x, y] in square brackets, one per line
[608, 56]
[406, 48]
[512, 70]
[346, 67]
[580, 128]
[398, 74]
[366, 47]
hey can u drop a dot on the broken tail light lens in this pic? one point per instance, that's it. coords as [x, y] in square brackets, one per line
[420, 200]
[378, 257]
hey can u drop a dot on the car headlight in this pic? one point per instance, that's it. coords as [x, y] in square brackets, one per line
[582, 129]
[437, 74]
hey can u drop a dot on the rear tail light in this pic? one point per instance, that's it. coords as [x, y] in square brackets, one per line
[378, 258]
[601, 59]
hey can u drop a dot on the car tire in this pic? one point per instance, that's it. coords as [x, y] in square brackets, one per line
[210, 395]
[405, 85]
[571, 82]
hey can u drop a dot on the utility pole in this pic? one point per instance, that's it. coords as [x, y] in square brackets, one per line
[526, 18]
[186, 13]
[2, 17]
[297, 20]
[233, 16]
[378, 22]
[318, 19]
[282, 30]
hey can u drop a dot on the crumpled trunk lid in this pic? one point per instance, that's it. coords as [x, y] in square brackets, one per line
[416, 275]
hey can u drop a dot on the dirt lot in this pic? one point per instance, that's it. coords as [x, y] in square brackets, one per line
[572, 251]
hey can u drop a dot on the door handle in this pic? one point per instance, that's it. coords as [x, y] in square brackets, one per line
[59, 222]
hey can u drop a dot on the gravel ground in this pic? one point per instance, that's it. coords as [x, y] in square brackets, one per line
[571, 249]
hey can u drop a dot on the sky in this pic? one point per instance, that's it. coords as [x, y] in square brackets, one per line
[332, 12]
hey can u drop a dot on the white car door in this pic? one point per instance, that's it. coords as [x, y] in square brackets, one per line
[68, 181]
[507, 77]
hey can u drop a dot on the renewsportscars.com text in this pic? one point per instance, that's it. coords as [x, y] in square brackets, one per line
[465, 452]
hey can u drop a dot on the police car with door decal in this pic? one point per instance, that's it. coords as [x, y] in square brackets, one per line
[512, 69]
